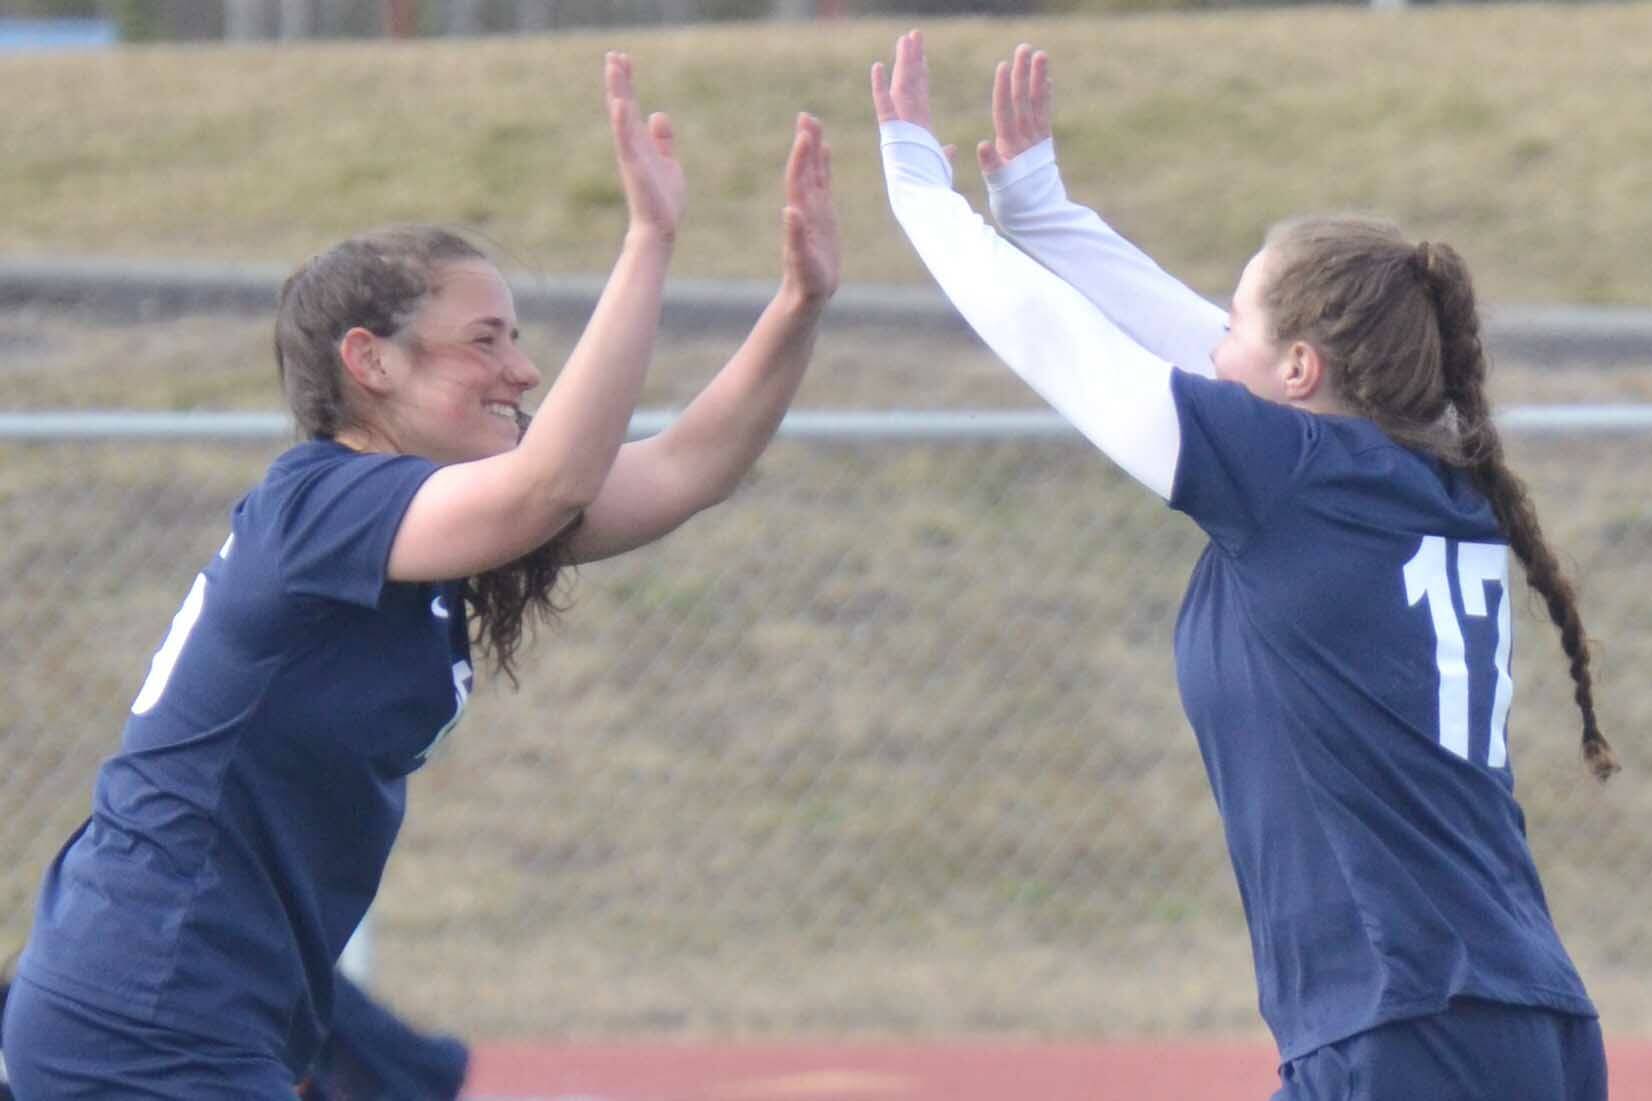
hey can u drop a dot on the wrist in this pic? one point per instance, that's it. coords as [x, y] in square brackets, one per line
[1030, 161]
[650, 237]
[801, 301]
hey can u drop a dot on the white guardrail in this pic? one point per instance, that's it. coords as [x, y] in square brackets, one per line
[850, 425]
[1596, 335]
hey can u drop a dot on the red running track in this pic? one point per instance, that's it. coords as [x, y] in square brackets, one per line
[961, 1071]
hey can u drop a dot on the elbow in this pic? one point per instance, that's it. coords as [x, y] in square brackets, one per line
[564, 509]
[717, 494]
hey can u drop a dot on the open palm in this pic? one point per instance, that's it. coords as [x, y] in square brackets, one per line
[1021, 94]
[655, 191]
[810, 252]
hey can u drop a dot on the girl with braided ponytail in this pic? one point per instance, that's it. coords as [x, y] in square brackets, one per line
[1343, 648]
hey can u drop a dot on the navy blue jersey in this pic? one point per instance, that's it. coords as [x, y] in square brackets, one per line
[1343, 656]
[239, 835]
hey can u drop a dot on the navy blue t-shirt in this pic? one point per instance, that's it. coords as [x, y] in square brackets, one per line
[239, 835]
[1343, 655]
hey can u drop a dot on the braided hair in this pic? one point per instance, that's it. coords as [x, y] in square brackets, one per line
[1399, 330]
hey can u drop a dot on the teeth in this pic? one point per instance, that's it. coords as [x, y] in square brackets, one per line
[500, 409]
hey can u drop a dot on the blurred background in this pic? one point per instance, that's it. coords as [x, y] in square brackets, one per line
[180, 20]
[888, 745]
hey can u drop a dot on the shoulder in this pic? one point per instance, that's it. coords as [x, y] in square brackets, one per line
[324, 456]
[326, 516]
[1362, 471]
[323, 469]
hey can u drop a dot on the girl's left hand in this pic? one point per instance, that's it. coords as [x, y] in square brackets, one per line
[1021, 94]
[810, 251]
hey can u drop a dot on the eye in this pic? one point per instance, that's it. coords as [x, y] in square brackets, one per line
[486, 340]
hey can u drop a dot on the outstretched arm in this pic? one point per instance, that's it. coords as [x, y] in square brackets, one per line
[470, 517]
[1030, 203]
[1111, 388]
[658, 483]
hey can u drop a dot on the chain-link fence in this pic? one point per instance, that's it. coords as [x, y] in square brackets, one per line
[887, 744]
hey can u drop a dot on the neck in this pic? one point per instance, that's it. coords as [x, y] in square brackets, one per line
[365, 440]
[1320, 402]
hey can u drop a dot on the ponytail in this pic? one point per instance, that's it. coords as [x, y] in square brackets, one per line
[1398, 326]
[1463, 368]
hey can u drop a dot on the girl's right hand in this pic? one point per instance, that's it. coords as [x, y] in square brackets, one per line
[653, 180]
[903, 96]
[1020, 108]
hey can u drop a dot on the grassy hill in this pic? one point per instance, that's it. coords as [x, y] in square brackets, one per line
[1515, 132]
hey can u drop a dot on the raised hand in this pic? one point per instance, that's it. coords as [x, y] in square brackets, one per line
[810, 250]
[1021, 94]
[649, 172]
[905, 96]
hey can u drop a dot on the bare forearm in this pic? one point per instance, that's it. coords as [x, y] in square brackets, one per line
[583, 420]
[720, 435]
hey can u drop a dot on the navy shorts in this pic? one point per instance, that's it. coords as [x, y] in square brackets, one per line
[1475, 1051]
[58, 1049]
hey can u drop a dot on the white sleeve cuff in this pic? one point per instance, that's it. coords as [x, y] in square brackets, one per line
[907, 133]
[1025, 164]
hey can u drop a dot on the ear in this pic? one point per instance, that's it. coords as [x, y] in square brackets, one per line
[363, 360]
[1304, 371]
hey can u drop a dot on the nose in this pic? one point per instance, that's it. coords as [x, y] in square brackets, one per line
[519, 369]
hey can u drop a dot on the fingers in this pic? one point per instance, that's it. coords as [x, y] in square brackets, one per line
[622, 100]
[616, 74]
[986, 155]
[818, 159]
[791, 222]
[1021, 85]
[665, 139]
[1042, 94]
[645, 150]
[910, 84]
[799, 164]
[1003, 108]
[809, 167]
[809, 224]
[882, 103]
[1020, 105]
[903, 93]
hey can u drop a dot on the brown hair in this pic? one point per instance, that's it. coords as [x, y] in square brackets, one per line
[379, 281]
[1399, 331]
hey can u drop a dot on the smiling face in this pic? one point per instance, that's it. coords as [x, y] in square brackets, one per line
[454, 377]
[1249, 354]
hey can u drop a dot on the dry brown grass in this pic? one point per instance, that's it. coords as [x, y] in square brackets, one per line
[1511, 131]
[889, 744]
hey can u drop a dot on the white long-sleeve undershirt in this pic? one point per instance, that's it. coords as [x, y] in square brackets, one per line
[1113, 390]
[1157, 310]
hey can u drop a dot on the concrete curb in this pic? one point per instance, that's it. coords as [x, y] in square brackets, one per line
[125, 290]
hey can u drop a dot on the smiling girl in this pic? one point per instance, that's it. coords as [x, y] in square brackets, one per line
[186, 935]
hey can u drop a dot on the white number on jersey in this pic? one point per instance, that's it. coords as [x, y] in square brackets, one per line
[462, 676]
[1428, 577]
[160, 669]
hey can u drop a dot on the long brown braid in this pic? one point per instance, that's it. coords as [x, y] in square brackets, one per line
[1400, 333]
